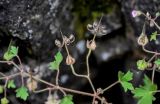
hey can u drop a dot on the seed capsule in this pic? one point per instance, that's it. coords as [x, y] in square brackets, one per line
[91, 45]
[142, 40]
[70, 60]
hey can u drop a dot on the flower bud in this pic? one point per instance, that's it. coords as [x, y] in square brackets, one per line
[91, 45]
[136, 13]
[70, 60]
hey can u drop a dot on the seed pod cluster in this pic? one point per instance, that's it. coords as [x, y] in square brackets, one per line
[66, 40]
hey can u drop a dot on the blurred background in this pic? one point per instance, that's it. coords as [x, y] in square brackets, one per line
[33, 25]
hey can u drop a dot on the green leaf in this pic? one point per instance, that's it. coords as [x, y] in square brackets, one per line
[124, 80]
[153, 36]
[157, 62]
[67, 100]
[1, 89]
[11, 84]
[54, 65]
[4, 101]
[59, 57]
[11, 52]
[127, 86]
[14, 50]
[145, 93]
[22, 93]
[142, 64]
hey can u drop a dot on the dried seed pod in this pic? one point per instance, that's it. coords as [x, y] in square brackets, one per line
[142, 40]
[70, 60]
[58, 43]
[91, 45]
[97, 28]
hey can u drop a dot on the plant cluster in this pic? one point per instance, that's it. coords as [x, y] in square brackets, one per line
[144, 93]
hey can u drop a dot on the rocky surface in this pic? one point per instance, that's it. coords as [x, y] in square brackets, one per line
[35, 21]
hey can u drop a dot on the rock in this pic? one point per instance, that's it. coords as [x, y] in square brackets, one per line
[35, 21]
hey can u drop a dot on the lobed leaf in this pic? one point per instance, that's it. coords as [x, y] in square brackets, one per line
[124, 80]
[145, 93]
[54, 65]
[67, 100]
[11, 84]
[153, 36]
[22, 93]
[4, 101]
[11, 53]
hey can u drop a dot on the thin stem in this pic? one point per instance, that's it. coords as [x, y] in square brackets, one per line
[92, 86]
[87, 62]
[22, 78]
[10, 76]
[67, 49]
[57, 84]
[2, 74]
[152, 58]
[153, 73]
[5, 88]
[40, 91]
[20, 62]
[155, 24]
[78, 75]
[93, 101]
[115, 83]
[57, 77]
[156, 91]
[64, 93]
[21, 69]
[5, 62]
[148, 51]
